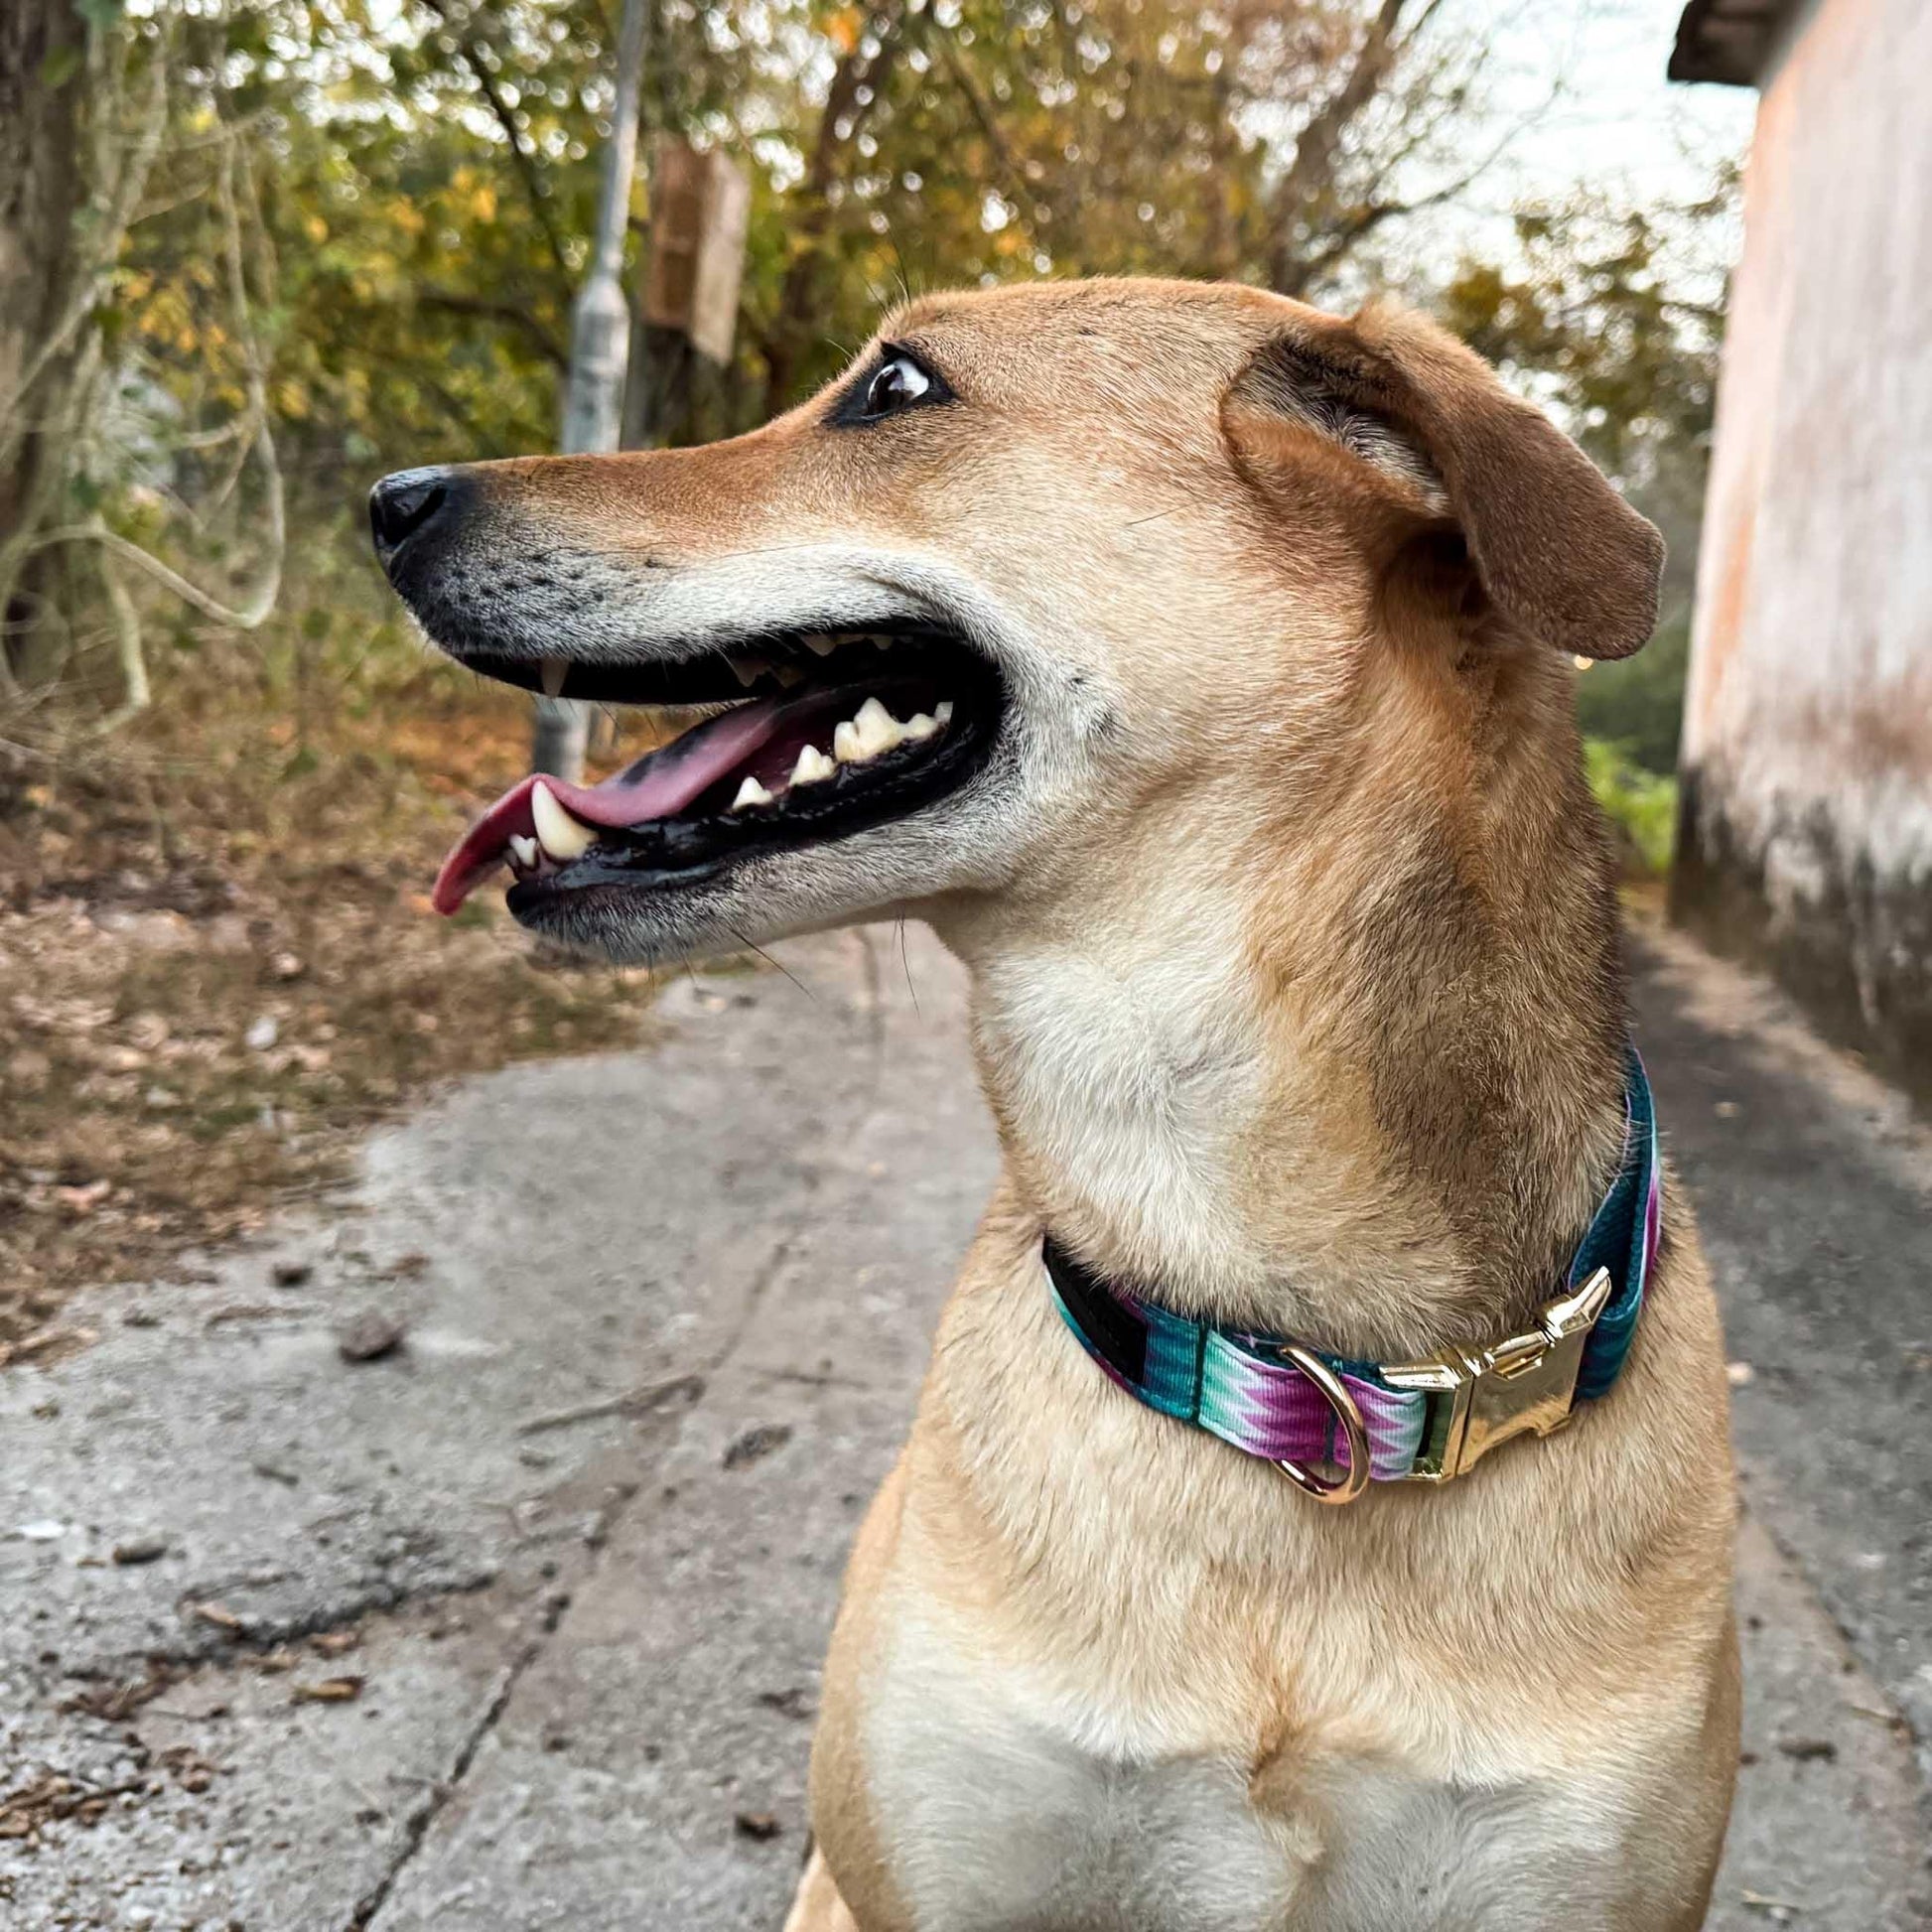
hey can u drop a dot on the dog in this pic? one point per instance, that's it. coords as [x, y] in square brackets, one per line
[1200, 667]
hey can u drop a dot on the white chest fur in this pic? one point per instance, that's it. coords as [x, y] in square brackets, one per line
[1129, 1080]
[1004, 1817]
[1020, 1805]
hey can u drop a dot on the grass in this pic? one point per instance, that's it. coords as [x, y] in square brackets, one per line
[1641, 804]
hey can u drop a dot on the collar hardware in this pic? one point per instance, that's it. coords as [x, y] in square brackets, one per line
[1331, 1424]
[1523, 1385]
[1354, 1462]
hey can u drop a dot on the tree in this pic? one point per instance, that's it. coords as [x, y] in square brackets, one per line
[1615, 317]
[965, 140]
[43, 86]
[309, 240]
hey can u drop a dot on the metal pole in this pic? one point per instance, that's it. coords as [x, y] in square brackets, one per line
[600, 351]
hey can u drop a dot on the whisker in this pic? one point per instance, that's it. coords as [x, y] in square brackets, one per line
[775, 964]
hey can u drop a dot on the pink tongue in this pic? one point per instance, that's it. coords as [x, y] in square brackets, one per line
[655, 787]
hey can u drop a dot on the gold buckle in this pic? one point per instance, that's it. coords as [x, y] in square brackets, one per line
[1523, 1385]
[1355, 1478]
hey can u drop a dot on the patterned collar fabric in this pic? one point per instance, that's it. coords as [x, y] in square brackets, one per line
[1235, 1383]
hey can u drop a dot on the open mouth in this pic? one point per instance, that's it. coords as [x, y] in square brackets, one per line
[812, 736]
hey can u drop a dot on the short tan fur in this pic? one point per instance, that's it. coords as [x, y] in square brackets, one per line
[1296, 995]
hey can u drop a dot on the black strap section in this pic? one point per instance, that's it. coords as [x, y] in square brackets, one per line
[1114, 1330]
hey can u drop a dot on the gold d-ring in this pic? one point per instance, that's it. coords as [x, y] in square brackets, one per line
[1336, 1391]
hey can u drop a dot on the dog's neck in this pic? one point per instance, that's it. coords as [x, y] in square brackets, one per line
[1372, 1101]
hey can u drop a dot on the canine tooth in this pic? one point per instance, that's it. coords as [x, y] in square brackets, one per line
[869, 732]
[748, 670]
[524, 852]
[812, 766]
[552, 671]
[878, 730]
[560, 835]
[942, 712]
[750, 792]
[920, 725]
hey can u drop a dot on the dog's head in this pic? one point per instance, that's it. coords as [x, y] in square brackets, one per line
[1051, 574]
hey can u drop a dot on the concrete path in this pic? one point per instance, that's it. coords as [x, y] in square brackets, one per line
[518, 1626]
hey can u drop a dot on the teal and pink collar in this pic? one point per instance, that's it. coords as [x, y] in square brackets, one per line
[1425, 1421]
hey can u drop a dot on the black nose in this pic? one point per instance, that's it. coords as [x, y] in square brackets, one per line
[402, 505]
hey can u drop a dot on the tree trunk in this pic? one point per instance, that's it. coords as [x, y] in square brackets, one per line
[1305, 192]
[43, 82]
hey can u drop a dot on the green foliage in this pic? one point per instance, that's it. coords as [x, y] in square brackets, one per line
[1594, 315]
[1641, 804]
[1638, 704]
[410, 183]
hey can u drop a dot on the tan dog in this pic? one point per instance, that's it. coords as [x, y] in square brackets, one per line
[1225, 733]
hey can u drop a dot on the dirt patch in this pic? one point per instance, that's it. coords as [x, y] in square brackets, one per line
[219, 966]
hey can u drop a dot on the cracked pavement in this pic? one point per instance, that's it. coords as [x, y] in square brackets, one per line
[519, 1626]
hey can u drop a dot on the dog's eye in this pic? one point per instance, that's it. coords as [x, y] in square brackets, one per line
[899, 383]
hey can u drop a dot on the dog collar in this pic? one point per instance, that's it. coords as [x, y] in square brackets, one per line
[1425, 1421]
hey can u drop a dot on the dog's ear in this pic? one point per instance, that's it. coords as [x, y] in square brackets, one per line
[1554, 547]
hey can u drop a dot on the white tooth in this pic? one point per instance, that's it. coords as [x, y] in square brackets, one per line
[847, 746]
[878, 730]
[553, 671]
[813, 766]
[524, 851]
[560, 835]
[820, 641]
[748, 670]
[942, 712]
[788, 674]
[920, 725]
[750, 792]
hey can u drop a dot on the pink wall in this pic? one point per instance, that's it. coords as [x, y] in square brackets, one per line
[1808, 731]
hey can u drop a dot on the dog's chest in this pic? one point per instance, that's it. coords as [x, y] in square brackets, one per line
[1003, 1820]
[1016, 1808]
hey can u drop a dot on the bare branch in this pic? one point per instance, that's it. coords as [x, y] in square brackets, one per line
[115, 213]
[506, 312]
[1310, 175]
[254, 610]
[519, 155]
[981, 110]
[136, 692]
[1360, 223]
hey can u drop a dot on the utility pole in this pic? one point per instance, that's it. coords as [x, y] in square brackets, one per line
[600, 351]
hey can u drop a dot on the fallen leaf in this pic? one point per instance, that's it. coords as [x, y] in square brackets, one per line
[757, 1444]
[1807, 1750]
[331, 1690]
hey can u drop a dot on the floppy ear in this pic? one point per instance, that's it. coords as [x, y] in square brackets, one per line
[1554, 546]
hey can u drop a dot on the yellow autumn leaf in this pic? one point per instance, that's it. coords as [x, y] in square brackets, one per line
[842, 28]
